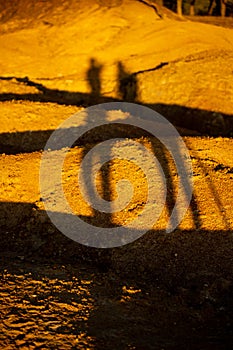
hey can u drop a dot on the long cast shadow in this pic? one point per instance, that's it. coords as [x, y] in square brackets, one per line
[203, 121]
[200, 121]
[61, 97]
[22, 223]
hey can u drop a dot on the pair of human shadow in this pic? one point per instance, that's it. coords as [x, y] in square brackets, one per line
[127, 88]
[127, 85]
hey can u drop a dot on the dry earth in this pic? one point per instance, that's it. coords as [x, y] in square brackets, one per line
[164, 291]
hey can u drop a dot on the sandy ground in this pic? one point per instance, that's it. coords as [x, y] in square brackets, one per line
[165, 290]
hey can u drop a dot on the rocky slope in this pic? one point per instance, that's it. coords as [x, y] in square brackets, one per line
[181, 68]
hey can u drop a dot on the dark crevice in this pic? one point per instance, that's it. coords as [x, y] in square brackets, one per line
[159, 66]
[153, 6]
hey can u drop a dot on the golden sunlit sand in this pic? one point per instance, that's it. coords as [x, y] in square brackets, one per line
[165, 290]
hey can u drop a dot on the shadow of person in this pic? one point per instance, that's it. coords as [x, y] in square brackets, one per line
[93, 77]
[127, 84]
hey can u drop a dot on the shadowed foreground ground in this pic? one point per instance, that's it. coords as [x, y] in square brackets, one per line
[164, 291]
